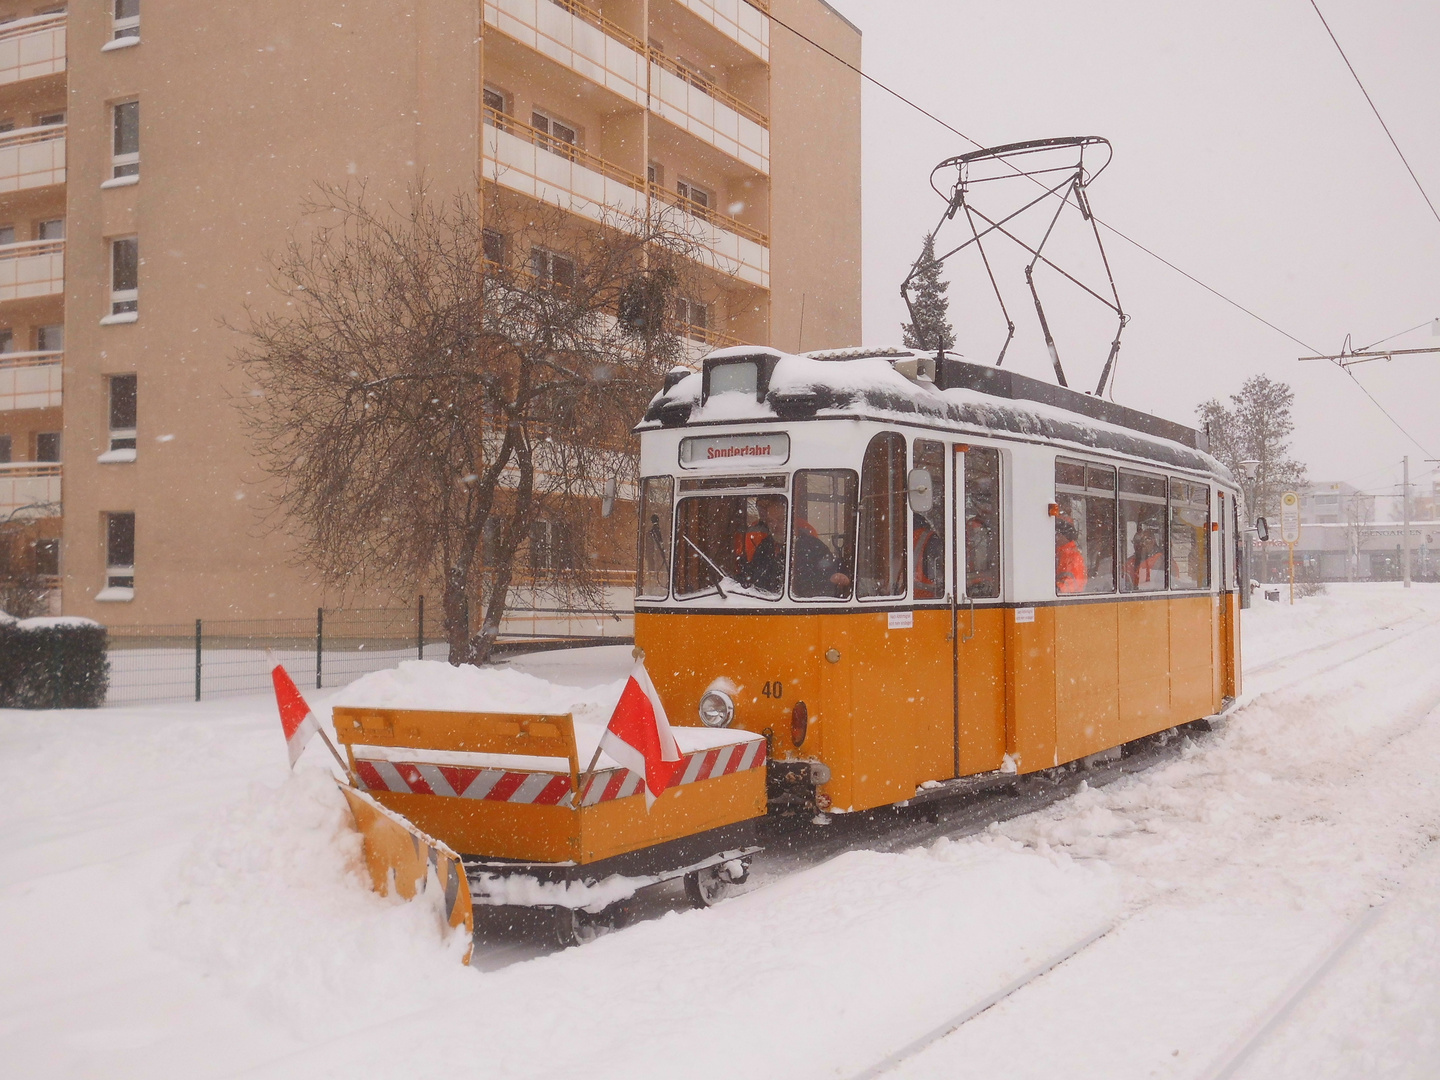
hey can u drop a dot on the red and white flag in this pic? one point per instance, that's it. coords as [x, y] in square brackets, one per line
[639, 737]
[295, 716]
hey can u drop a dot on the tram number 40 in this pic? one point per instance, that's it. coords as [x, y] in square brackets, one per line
[773, 689]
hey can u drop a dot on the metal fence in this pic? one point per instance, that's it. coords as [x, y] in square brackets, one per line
[217, 657]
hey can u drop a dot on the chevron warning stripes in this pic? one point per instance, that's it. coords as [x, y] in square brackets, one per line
[546, 788]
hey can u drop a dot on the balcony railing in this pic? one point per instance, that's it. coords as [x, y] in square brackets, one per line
[743, 21]
[29, 489]
[30, 380]
[694, 104]
[32, 157]
[525, 159]
[34, 268]
[579, 38]
[30, 48]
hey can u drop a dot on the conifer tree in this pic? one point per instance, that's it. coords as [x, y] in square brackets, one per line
[931, 329]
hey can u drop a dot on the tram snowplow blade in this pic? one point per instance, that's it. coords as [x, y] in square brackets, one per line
[401, 857]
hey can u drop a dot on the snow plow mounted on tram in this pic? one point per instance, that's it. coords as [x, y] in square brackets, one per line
[867, 577]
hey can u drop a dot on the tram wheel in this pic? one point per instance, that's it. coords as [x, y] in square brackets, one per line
[575, 926]
[707, 887]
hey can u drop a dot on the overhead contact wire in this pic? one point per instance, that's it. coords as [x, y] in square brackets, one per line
[1371, 102]
[1123, 236]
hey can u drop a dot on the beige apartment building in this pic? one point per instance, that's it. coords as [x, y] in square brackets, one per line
[154, 154]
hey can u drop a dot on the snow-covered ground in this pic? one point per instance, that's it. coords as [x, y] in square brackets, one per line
[174, 903]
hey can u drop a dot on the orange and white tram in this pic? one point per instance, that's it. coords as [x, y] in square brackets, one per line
[906, 576]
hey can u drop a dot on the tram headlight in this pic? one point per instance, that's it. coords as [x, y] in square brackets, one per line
[716, 708]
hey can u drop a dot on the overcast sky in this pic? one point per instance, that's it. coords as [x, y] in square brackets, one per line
[1244, 152]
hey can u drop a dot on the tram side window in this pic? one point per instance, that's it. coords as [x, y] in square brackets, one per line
[822, 534]
[982, 523]
[1189, 535]
[656, 511]
[927, 532]
[1084, 528]
[1142, 532]
[883, 545]
[731, 544]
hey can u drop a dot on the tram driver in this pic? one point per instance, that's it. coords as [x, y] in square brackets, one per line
[761, 554]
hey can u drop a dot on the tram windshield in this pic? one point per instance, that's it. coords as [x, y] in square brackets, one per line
[731, 545]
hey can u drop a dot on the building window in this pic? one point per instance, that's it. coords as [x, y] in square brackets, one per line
[50, 338]
[655, 173]
[127, 19]
[125, 276]
[492, 242]
[125, 158]
[54, 229]
[686, 189]
[552, 268]
[7, 234]
[7, 341]
[47, 446]
[495, 99]
[5, 450]
[693, 319]
[119, 557]
[49, 119]
[47, 558]
[7, 125]
[554, 135]
[123, 413]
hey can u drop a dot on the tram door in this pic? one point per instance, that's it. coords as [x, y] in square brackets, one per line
[978, 641]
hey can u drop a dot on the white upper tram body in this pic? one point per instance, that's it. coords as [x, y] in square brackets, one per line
[756, 421]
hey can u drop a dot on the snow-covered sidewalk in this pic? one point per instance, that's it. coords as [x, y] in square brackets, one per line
[172, 902]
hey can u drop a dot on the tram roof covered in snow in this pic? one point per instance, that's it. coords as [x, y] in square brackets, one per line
[750, 384]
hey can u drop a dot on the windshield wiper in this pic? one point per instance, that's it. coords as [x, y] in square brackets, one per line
[719, 575]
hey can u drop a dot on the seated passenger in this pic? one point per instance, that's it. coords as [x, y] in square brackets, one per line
[817, 568]
[759, 554]
[1143, 569]
[1070, 573]
[928, 551]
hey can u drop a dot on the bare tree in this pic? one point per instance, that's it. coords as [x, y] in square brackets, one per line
[441, 374]
[1256, 427]
[24, 590]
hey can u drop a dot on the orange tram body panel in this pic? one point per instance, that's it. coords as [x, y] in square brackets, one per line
[962, 580]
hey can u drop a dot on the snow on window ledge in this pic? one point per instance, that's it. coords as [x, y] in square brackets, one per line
[119, 181]
[115, 594]
[119, 43]
[123, 317]
[110, 457]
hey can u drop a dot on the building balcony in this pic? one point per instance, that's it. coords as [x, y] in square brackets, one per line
[605, 53]
[525, 159]
[31, 48]
[32, 157]
[694, 104]
[29, 489]
[743, 21]
[34, 268]
[30, 380]
[578, 38]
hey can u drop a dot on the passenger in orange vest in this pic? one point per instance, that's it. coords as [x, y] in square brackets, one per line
[1144, 569]
[1070, 572]
[928, 552]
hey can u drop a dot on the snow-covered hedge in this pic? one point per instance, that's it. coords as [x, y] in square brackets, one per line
[52, 663]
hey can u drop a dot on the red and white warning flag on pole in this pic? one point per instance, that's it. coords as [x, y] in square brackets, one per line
[639, 737]
[295, 716]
